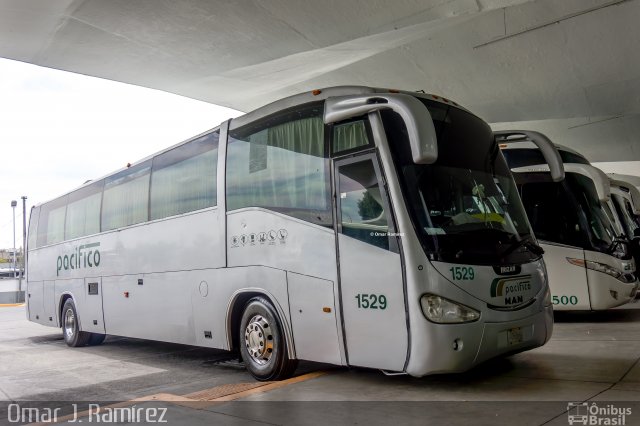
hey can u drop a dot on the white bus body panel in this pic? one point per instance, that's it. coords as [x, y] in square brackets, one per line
[161, 309]
[315, 331]
[149, 291]
[432, 346]
[375, 337]
[566, 280]
[90, 306]
[145, 251]
[291, 244]
[35, 302]
[601, 285]
[589, 289]
[49, 303]
[147, 247]
[257, 236]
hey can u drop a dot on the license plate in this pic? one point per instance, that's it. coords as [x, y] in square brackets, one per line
[514, 335]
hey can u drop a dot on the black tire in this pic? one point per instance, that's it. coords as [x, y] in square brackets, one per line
[70, 326]
[262, 344]
[96, 339]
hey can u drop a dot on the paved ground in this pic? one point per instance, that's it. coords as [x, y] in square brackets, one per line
[592, 357]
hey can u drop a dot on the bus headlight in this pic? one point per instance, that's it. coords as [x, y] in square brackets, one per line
[443, 311]
[601, 267]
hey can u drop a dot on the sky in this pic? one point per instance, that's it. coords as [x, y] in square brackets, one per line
[60, 129]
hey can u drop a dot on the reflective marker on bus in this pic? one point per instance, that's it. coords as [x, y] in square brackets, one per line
[352, 225]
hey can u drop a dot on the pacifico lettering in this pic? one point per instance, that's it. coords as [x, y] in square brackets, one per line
[80, 258]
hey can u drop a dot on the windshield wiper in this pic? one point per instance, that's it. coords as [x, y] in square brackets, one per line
[523, 242]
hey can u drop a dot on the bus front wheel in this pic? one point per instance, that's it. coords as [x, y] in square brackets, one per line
[262, 343]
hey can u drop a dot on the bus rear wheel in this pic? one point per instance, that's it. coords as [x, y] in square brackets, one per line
[71, 328]
[262, 343]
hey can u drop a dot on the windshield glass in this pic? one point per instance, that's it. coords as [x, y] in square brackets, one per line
[465, 207]
[624, 211]
[567, 212]
[602, 230]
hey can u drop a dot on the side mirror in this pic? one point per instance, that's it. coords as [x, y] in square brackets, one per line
[416, 116]
[600, 180]
[548, 149]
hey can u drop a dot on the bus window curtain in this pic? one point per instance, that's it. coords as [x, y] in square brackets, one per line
[285, 167]
[184, 186]
[349, 135]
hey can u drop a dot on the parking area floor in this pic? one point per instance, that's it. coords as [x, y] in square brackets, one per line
[591, 361]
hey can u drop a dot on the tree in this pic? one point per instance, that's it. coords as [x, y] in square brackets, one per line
[368, 207]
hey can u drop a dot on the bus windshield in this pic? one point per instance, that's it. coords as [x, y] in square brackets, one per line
[465, 207]
[599, 224]
[567, 212]
[624, 211]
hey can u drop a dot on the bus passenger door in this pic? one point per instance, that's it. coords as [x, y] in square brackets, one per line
[370, 268]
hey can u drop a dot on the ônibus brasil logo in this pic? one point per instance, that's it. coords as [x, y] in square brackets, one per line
[80, 258]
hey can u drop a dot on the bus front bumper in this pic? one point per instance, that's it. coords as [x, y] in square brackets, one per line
[460, 347]
[608, 292]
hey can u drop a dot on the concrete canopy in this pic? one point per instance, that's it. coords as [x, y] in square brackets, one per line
[567, 67]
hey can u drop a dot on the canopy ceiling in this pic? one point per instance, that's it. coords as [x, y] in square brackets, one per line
[568, 67]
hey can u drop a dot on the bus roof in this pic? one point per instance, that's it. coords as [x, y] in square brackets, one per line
[597, 176]
[324, 93]
[271, 108]
[527, 144]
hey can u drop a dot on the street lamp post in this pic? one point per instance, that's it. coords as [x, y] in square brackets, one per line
[24, 240]
[14, 203]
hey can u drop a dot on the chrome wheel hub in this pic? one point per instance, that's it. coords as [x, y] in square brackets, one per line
[259, 340]
[69, 323]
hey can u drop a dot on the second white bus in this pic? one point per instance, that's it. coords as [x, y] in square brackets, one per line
[587, 255]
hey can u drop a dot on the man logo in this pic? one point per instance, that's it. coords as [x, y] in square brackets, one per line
[509, 287]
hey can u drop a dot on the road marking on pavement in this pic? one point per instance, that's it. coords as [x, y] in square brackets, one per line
[200, 399]
[235, 391]
[269, 386]
[9, 305]
[224, 390]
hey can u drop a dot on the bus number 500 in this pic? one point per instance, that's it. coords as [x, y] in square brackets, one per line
[565, 300]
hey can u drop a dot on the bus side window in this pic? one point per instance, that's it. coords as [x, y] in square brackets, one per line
[83, 211]
[279, 163]
[362, 213]
[33, 228]
[184, 179]
[51, 222]
[349, 136]
[125, 200]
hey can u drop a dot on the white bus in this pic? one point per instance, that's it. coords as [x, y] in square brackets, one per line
[587, 256]
[349, 225]
[625, 197]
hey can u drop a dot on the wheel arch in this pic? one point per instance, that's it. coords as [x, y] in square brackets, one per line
[63, 299]
[234, 315]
